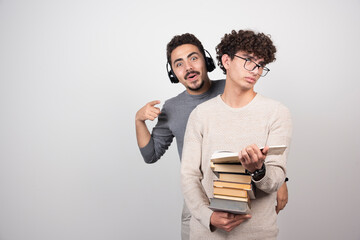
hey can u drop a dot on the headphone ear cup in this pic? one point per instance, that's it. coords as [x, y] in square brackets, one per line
[210, 65]
[173, 77]
[171, 74]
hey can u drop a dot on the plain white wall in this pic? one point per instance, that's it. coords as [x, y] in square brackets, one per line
[74, 73]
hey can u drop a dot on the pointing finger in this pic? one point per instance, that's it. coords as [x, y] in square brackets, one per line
[153, 103]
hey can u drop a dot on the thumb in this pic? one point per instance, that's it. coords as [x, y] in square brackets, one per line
[265, 150]
[277, 210]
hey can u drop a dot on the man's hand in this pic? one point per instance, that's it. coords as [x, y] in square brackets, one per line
[282, 198]
[227, 221]
[148, 112]
[252, 158]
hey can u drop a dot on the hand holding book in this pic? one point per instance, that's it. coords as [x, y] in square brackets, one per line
[227, 221]
[224, 156]
[233, 187]
[252, 158]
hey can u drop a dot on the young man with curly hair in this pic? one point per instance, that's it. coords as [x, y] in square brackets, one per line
[189, 66]
[239, 120]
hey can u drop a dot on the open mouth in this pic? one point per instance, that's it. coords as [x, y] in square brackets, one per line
[191, 75]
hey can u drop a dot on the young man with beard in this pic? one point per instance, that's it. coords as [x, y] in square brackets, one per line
[189, 66]
[239, 120]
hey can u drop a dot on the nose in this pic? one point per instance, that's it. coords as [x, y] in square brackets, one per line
[256, 70]
[188, 66]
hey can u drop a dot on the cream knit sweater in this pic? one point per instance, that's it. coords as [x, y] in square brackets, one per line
[213, 126]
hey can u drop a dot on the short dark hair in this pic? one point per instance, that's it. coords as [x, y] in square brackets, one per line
[248, 41]
[178, 40]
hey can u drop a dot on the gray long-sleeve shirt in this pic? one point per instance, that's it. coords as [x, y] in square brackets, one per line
[173, 119]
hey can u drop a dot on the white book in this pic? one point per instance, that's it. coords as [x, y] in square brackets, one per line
[224, 156]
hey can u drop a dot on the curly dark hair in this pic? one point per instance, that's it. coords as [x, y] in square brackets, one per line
[178, 40]
[248, 41]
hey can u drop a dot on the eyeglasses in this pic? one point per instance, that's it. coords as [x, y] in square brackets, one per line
[251, 66]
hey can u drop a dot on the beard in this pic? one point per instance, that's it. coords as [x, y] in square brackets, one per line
[197, 88]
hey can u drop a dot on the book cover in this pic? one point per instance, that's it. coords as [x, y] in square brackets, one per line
[236, 207]
[239, 199]
[223, 156]
[276, 150]
[233, 177]
[227, 167]
[245, 186]
[250, 188]
[233, 192]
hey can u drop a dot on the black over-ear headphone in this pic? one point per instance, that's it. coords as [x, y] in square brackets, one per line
[210, 66]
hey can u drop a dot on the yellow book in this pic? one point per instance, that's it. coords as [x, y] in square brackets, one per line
[233, 192]
[248, 187]
[232, 185]
[227, 167]
[238, 178]
[241, 199]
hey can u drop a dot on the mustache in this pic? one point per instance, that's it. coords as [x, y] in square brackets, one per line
[187, 74]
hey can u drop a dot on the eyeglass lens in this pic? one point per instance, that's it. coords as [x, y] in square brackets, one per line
[251, 66]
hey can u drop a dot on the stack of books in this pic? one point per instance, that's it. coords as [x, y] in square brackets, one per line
[233, 190]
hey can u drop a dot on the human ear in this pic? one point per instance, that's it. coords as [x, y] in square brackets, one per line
[225, 59]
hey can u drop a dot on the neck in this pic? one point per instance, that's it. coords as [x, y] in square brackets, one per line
[237, 97]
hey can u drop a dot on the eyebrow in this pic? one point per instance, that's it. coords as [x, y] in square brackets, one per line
[188, 56]
[262, 63]
[249, 57]
[192, 54]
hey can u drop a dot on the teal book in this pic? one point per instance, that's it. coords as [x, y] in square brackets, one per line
[225, 205]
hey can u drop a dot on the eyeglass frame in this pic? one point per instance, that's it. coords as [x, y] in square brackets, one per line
[256, 65]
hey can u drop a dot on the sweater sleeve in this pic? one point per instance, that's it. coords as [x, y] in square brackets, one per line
[191, 174]
[279, 134]
[160, 140]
